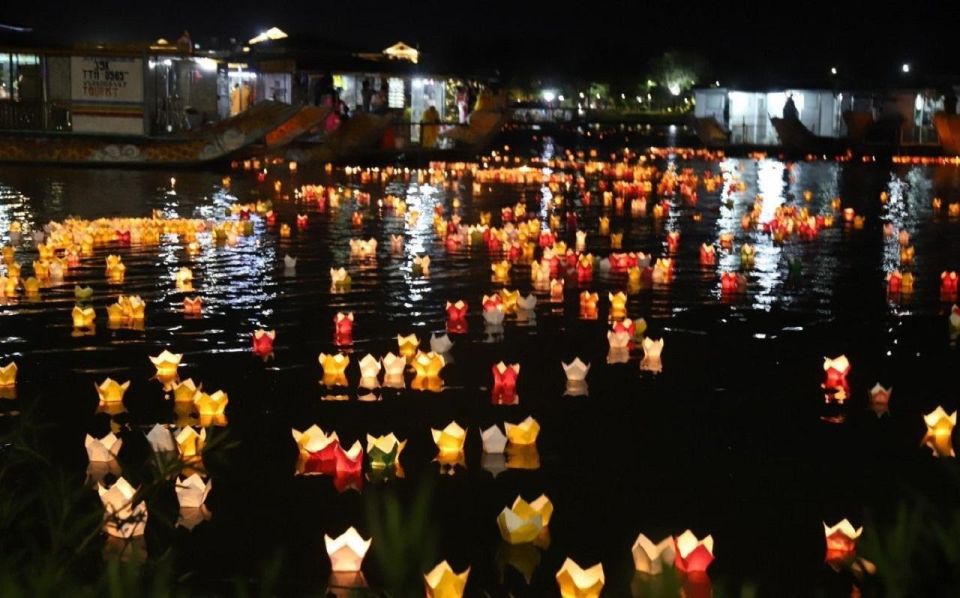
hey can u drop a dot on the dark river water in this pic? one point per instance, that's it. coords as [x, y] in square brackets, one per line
[732, 438]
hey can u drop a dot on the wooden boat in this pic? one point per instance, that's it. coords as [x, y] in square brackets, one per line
[203, 146]
[948, 130]
[795, 137]
[710, 132]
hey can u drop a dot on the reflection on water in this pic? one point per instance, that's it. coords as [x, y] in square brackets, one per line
[626, 435]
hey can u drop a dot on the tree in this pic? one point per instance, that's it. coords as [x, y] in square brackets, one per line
[677, 71]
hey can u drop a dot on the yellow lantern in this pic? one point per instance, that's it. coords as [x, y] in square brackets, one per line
[210, 404]
[522, 434]
[123, 518]
[428, 365]
[940, 431]
[186, 391]
[334, 365]
[508, 300]
[618, 305]
[8, 375]
[524, 522]
[576, 582]
[167, 363]
[346, 552]
[110, 391]
[83, 317]
[443, 582]
[184, 278]
[408, 346]
[501, 271]
[604, 228]
[450, 440]
[190, 443]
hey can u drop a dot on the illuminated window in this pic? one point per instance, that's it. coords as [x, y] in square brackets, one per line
[395, 92]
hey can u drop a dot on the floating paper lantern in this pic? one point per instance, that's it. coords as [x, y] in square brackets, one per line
[421, 265]
[673, 241]
[708, 255]
[450, 440]
[210, 405]
[393, 365]
[616, 239]
[343, 328]
[369, 371]
[440, 344]
[523, 522]
[263, 341]
[443, 582]
[396, 243]
[384, 451]
[618, 339]
[662, 271]
[576, 370]
[747, 255]
[505, 382]
[428, 365]
[894, 282]
[346, 552]
[83, 317]
[649, 557]
[652, 348]
[576, 582]
[123, 518]
[192, 492]
[361, 248]
[527, 304]
[523, 434]
[841, 543]
[190, 443]
[584, 269]
[348, 462]
[556, 290]
[693, 555]
[501, 271]
[618, 305]
[732, 282]
[185, 392]
[494, 440]
[8, 375]
[726, 240]
[340, 279]
[167, 363]
[289, 263]
[835, 371]
[456, 317]
[953, 321]
[333, 365]
[880, 399]
[284, 231]
[192, 306]
[160, 439]
[508, 300]
[588, 305]
[493, 316]
[948, 283]
[102, 450]
[408, 346]
[317, 450]
[115, 268]
[184, 278]
[940, 431]
[604, 226]
[110, 391]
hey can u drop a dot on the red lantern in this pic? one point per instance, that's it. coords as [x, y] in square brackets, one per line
[673, 241]
[692, 555]
[584, 270]
[348, 462]
[504, 390]
[708, 255]
[491, 302]
[948, 283]
[343, 328]
[271, 218]
[123, 237]
[457, 317]
[894, 282]
[546, 239]
[263, 342]
[244, 214]
[507, 214]
[835, 372]
[323, 461]
[732, 282]
[302, 221]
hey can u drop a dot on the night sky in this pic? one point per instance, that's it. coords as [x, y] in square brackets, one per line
[597, 38]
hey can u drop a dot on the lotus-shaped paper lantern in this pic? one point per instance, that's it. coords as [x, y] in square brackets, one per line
[284, 231]
[83, 317]
[494, 440]
[167, 363]
[184, 278]
[576, 582]
[428, 365]
[192, 492]
[393, 365]
[456, 317]
[693, 555]
[190, 443]
[539, 272]
[894, 282]
[340, 280]
[263, 341]
[211, 405]
[524, 521]
[115, 268]
[160, 439]
[443, 582]
[673, 241]
[384, 451]
[82, 293]
[588, 305]
[185, 392]
[618, 305]
[348, 462]
[123, 518]
[362, 248]
[346, 552]
[522, 434]
[584, 269]
[576, 370]
[649, 557]
[192, 306]
[747, 254]
[835, 372]
[110, 391]
[333, 365]
[880, 399]
[505, 383]
[421, 265]
[8, 375]
[841, 543]
[652, 348]
[289, 263]
[369, 371]
[508, 300]
[662, 271]
[732, 282]
[556, 290]
[343, 328]
[708, 255]
[493, 316]
[104, 449]
[396, 243]
[501, 271]
[940, 431]
[948, 283]
[440, 344]
[317, 450]
[906, 255]
[526, 304]
[450, 439]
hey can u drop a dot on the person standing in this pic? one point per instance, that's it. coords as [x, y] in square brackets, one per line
[366, 94]
[430, 127]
